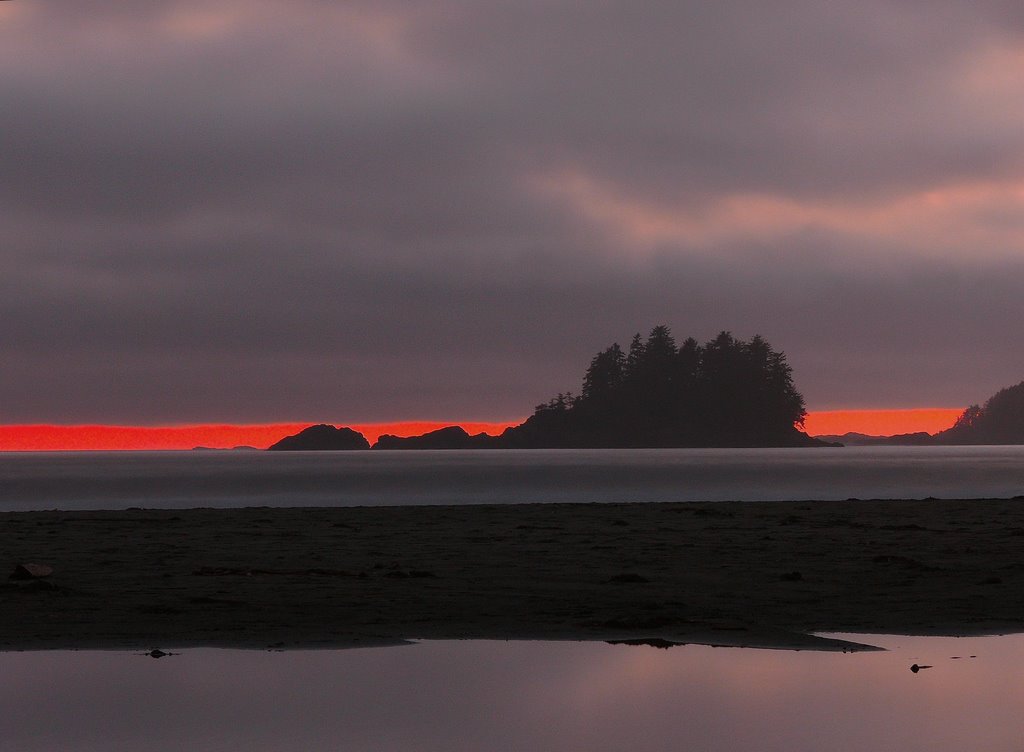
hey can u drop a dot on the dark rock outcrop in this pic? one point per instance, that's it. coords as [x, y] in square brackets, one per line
[322, 438]
[30, 571]
[449, 437]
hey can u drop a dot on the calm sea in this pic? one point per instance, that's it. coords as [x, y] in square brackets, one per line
[116, 480]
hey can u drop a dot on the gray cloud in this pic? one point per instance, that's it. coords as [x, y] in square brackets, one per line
[270, 211]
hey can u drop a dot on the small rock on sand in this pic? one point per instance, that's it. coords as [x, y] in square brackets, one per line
[31, 571]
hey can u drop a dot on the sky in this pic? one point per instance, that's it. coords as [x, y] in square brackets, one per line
[363, 212]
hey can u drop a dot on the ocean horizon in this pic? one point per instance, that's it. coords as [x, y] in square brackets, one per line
[227, 479]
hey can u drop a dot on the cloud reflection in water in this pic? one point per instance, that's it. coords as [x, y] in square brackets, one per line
[519, 695]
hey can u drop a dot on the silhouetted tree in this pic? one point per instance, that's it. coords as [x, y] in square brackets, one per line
[635, 356]
[969, 419]
[605, 374]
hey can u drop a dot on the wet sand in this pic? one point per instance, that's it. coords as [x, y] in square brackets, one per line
[747, 573]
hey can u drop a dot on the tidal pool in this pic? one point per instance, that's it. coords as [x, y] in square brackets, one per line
[484, 695]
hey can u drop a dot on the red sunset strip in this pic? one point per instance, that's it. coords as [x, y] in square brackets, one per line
[41, 438]
[881, 422]
[99, 437]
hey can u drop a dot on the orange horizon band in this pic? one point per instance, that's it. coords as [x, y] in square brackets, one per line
[887, 422]
[43, 437]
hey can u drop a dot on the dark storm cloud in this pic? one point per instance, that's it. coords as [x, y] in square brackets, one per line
[360, 211]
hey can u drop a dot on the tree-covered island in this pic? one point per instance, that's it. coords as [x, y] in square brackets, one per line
[725, 393]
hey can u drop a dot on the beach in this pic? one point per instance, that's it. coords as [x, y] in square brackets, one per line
[734, 573]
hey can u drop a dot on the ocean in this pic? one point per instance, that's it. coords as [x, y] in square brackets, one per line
[922, 693]
[180, 480]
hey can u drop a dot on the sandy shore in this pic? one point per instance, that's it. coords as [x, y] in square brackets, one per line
[761, 573]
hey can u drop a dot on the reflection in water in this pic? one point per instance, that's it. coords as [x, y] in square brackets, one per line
[518, 696]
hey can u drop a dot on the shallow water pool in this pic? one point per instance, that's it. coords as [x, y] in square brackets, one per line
[481, 695]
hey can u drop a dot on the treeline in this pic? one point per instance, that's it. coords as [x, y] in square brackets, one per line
[999, 421]
[727, 392]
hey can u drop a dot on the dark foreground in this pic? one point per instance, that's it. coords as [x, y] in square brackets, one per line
[761, 573]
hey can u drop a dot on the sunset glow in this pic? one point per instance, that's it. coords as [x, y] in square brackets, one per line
[948, 216]
[42, 438]
[881, 422]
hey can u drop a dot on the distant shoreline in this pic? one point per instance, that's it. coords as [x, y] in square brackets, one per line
[750, 573]
[49, 437]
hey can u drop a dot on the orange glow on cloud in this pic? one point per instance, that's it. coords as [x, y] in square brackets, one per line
[938, 218]
[40, 438]
[881, 422]
[200, 23]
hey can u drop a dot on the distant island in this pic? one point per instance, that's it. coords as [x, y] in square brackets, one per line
[918, 438]
[725, 393]
[321, 438]
[240, 448]
[450, 437]
[999, 421]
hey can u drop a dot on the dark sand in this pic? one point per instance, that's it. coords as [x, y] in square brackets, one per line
[761, 573]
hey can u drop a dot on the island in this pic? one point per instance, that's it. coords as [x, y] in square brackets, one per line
[727, 392]
[449, 437]
[322, 438]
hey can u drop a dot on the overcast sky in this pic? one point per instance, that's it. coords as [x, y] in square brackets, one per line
[362, 211]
